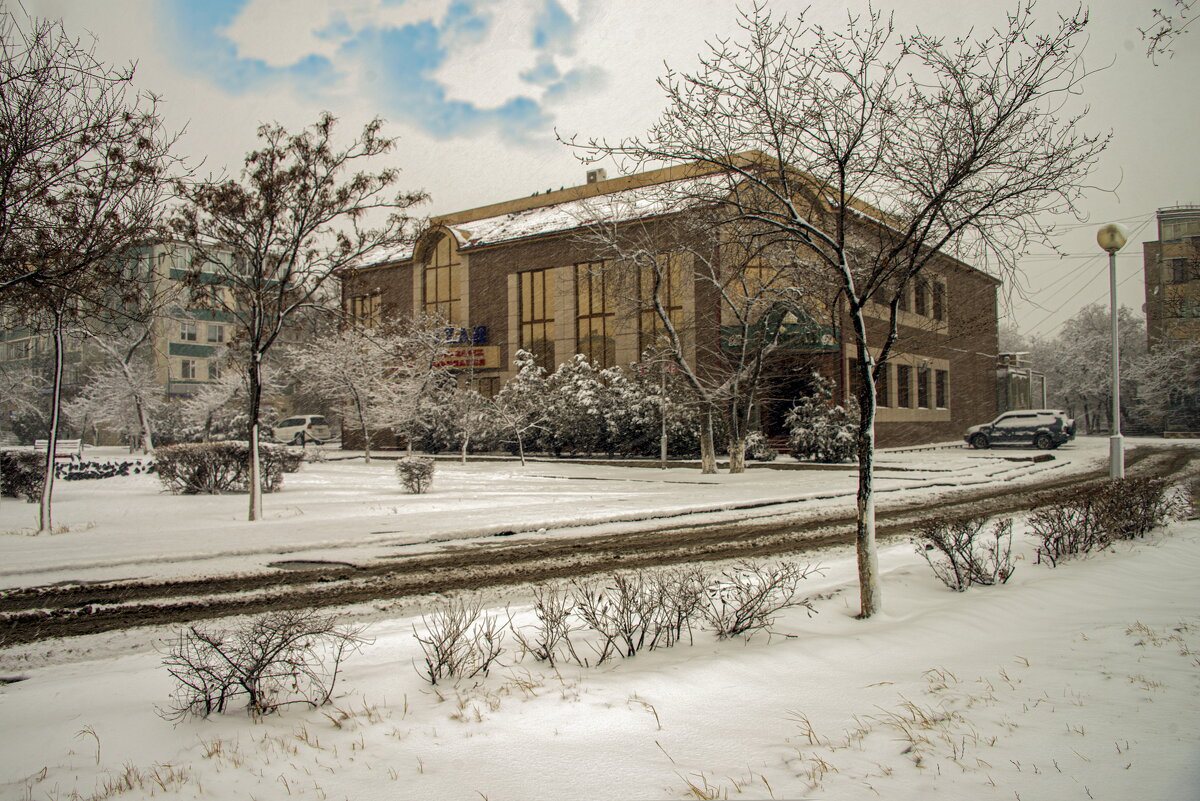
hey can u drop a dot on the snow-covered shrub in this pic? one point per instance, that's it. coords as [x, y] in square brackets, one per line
[747, 597]
[22, 474]
[210, 468]
[820, 430]
[959, 556]
[759, 449]
[1125, 508]
[289, 657]
[415, 473]
[460, 640]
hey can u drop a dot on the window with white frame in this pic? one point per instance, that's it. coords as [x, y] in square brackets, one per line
[187, 330]
[216, 332]
[187, 368]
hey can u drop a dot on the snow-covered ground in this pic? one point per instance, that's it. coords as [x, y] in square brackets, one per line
[1070, 683]
[348, 511]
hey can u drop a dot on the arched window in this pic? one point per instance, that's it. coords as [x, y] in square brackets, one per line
[442, 280]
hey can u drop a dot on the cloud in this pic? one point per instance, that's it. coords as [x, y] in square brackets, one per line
[450, 67]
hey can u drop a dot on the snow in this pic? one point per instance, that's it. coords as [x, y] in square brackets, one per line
[354, 512]
[637, 203]
[1076, 682]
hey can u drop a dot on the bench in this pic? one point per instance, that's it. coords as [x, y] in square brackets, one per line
[63, 448]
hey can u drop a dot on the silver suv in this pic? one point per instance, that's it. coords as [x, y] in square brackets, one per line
[301, 428]
[1041, 428]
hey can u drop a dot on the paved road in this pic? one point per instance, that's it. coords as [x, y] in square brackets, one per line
[32, 614]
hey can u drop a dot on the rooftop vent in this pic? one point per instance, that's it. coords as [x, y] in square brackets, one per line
[597, 175]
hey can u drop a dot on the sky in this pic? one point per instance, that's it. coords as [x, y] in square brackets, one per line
[476, 90]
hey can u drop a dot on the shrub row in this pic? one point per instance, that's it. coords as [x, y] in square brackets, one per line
[590, 621]
[1122, 509]
[215, 467]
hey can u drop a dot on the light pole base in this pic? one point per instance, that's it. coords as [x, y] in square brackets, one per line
[1116, 456]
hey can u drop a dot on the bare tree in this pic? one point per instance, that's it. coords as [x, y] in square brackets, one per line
[84, 172]
[1166, 27]
[84, 164]
[271, 240]
[122, 391]
[869, 154]
[348, 366]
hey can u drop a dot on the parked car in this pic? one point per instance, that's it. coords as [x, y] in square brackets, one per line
[1041, 428]
[302, 428]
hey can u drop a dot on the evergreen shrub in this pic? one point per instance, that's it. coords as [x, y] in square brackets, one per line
[22, 474]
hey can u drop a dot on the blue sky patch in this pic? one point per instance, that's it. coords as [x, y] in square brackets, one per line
[405, 61]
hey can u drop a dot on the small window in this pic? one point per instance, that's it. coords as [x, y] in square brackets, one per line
[216, 333]
[317, 420]
[187, 368]
[187, 331]
[214, 371]
[1179, 271]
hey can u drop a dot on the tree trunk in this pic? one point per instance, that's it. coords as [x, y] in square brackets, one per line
[255, 467]
[708, 450]
[362, 424]
[144, 421]
[521, 448]
[870, 600]
[45, 521]
[737, 455]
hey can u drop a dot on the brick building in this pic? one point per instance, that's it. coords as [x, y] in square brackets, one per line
[529, 273]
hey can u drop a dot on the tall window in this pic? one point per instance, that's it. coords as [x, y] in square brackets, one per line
[939, 300]
[942, 388]
[594, 327]
[882, 385]
[1179, 271]
[442, 279]
[921, 297]
[535, 294]
[667, 278]
[364, 310]
[214, 370]
[187, 368]
[903, 386]
[923, 387]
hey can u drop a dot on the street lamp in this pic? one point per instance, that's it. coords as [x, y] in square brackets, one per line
[1112, 237]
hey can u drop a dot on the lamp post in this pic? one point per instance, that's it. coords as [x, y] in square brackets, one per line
[1112, 237]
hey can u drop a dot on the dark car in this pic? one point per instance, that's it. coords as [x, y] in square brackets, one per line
[1041, 428]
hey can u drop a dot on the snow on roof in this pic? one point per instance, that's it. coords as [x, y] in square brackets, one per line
[638, 203]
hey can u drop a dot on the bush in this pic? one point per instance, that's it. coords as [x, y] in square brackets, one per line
[415, 473]
[460, 640]
[1126, 508]
[22, 474]
[820, 430]
[746, 598]
[954, 550]
[290, 657]
[215, 467]
[758, 449]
